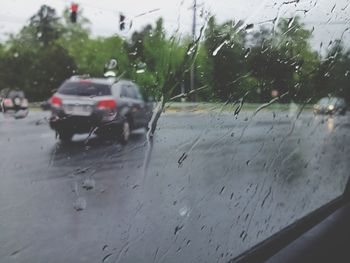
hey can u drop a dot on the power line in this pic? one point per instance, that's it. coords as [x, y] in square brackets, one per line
[192, 73]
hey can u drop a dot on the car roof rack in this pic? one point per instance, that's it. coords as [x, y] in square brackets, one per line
[77, 77]
[110, 79]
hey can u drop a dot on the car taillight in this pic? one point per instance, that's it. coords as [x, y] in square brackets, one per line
[106, 104]
[56, 101]
[8, 102]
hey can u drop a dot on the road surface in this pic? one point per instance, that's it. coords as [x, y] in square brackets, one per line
[208, 187]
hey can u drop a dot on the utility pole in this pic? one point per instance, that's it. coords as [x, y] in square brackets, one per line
[192, 71]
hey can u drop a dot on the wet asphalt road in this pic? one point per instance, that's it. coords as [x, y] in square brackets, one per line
[214, 186]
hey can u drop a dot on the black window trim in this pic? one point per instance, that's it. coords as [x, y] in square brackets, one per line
[269, 247]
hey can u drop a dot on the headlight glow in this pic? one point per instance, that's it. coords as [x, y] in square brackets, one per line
[331, 107]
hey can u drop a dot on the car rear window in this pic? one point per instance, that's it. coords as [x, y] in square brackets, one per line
[85, 89]
[13, 94]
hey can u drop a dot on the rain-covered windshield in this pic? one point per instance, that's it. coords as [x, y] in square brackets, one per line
[210, 141]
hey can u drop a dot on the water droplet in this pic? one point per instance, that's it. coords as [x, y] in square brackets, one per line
[290, 22]
[249, 27]
[222, 190]
[246, 53]
[243, 235]
[80, 204]
[81, 170]
[182, 158]
[15, 252]
[183, 211]
[75, 187]
[111, 64]
[219, 47]
[106, 257]
[333, 8]
[177, 229]
[191, 50]
[89, 184]
[141, 65]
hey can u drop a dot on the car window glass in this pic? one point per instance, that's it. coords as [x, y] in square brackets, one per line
[85, 89]
[245, 130]
[136, 92]
[123, 91]
[13, 94]
[127, 91]
[130, 91]
[116, 89]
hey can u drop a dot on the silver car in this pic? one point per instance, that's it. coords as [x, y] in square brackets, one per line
[106, 107]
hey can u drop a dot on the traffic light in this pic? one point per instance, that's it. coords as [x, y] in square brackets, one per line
[73, 14]
[121, 22]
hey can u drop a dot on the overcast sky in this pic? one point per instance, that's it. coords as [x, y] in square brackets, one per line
[329, 17]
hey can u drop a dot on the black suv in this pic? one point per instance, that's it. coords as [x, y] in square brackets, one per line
[106, 107]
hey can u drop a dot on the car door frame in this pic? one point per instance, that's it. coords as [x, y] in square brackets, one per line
[140, 106]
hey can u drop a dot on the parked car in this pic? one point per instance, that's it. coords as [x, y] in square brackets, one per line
[332, 105]
[14, 102]
[106, 107]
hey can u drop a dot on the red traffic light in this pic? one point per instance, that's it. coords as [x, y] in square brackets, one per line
[73, 14]
[74, 8]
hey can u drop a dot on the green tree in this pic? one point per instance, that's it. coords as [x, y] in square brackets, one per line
[161, 58]
[34, 61]
[46, 25]
[283, 60]
[225, 53]
[52, 66]
[333, 74]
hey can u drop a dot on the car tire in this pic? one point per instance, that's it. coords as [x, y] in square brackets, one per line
[124, 132]
[65, 136]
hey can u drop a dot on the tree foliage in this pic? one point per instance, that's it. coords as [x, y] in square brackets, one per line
[230, 63]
